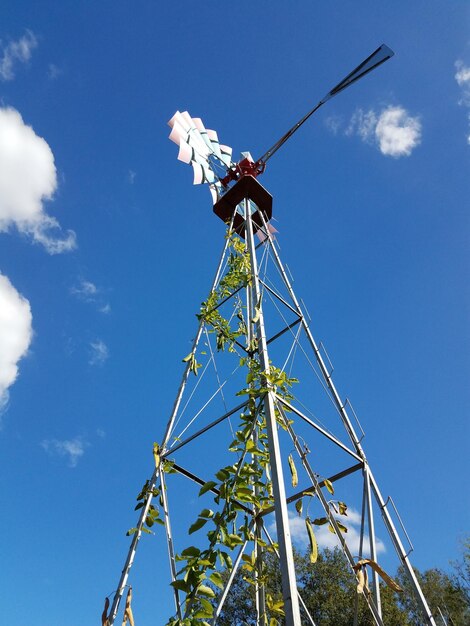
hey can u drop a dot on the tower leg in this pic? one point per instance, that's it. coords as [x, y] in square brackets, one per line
[426, 612]
[373, 551]
[170, 545]
[289, 584]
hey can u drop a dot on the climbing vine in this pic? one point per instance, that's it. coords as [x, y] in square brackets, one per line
[242, 490]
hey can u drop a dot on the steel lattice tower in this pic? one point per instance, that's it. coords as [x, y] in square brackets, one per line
[315, 429]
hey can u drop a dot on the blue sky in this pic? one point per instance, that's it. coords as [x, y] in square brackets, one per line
[106, 251]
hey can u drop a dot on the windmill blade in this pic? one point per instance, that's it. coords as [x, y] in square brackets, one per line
[199, 147]
[226, 152]
[202, 173]
[203, 131]
[186, 152]
[382, 54]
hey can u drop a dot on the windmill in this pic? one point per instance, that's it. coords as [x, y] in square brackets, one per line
[253, 327]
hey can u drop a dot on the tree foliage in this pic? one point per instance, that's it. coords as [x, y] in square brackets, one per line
[461, 576]
[445, 598]
[328, 589]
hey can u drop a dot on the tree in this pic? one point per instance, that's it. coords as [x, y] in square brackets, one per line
[328, 589]
[444, 597]
[461, 576]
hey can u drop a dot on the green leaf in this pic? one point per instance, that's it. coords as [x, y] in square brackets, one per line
[216, 578]
[206, 591]
[222, 475]
[187, 358]
[199, 523]
[250, 445]
[210, 484]
[233, 540]
[298, 507]
[329, 486]
[190, 552]
[342, 508]
[181, 585]
[319, 521]
[207, 513]
[206, 609]
[168, 467]
[342, 528]
[131, 531]
[225, 559]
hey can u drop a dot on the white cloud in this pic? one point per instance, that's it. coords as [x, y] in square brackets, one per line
[85, 290]
[88, 292]
[99, 352]
[334, 123]
[462, 76]
[72, 449]
[131, 176]
[397, 132]
[327, 539]
[393, 130]
[53, 71]
[16, 52]
[28, 177]
[15, 335]
[362, 124]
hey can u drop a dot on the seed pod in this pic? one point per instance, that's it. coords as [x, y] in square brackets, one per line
[293, 471]
[360, 581]
[313, 541]
[104, 616]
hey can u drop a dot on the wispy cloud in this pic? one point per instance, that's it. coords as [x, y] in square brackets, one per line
[15, 335]
[71, 449]
[87, 291]
[334, 124]
[28, 178]
[462, 76]
[131, 176]
[393, 130]
[14, 53]
[327, 539]
[53, 71]
[99, 352]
